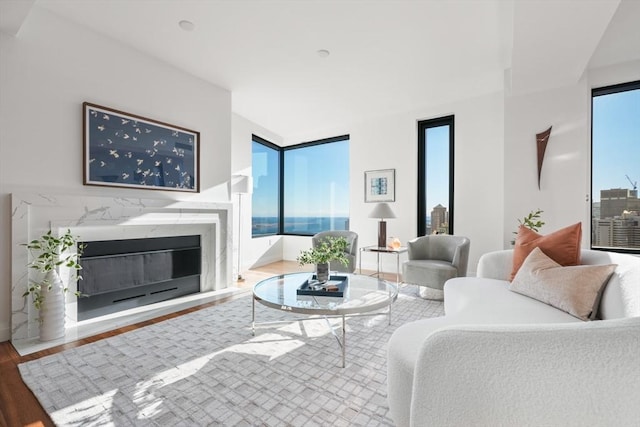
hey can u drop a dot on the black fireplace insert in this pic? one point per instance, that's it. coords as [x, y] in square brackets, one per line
[122, 274]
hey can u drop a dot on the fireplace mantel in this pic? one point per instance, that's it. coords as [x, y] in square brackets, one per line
[112, 218]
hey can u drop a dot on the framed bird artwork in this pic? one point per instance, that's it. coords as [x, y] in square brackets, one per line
[126, 150]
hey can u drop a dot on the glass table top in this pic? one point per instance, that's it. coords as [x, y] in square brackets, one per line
[362, 294]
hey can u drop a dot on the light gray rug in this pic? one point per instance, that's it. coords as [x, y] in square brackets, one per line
[205, 368]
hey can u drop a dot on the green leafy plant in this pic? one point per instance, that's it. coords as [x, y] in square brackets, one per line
[329, 249]
[532, 221]
[48, 253]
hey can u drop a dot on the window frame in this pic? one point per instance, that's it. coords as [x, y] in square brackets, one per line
[259, 140]
[281, 175]
[595, 92]
[423, 125]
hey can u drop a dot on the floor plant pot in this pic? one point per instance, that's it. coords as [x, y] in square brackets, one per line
[52, 311]
[322, 272]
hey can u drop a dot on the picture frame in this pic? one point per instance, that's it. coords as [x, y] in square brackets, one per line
[126, 150]
[380, 186]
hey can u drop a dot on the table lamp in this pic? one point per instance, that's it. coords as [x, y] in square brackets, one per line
[382, 211]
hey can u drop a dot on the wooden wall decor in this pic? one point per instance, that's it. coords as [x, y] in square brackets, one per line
[542, 139]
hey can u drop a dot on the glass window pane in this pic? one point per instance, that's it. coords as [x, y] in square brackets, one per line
[615, 208]
[266, 190]
[316, 188]
[437, 179]
[435, 176]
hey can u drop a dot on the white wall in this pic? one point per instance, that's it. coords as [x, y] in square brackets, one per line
[495, 164]
[620, 73]
[565, 186]
[564, 183]
[391, 143]
[262, 250]
[45, 75]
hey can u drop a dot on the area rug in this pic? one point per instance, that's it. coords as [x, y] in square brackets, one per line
[205, 368]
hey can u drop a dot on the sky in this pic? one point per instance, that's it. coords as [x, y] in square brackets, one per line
[616, 141]
[316, 181]
[437, 165]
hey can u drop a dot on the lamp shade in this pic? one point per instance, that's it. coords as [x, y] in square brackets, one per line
[241, 184]
[382, 211]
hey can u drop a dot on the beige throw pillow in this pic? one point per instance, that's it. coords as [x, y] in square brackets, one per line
[576, 289]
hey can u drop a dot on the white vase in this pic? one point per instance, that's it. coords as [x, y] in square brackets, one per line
[52, 311]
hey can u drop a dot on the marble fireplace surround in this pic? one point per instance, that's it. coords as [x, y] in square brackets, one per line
[112, 218]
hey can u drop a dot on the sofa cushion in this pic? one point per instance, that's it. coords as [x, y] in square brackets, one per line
[563, 246]
[489, 301]
[575, 289]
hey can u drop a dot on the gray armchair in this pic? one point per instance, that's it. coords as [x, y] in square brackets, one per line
[351, 252]
[433, 260]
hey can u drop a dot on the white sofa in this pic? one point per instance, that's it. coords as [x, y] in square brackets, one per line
[498, 358]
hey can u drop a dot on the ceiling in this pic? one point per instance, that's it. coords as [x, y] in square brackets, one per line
[386, 56]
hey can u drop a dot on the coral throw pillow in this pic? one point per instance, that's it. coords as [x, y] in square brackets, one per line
[562, 246]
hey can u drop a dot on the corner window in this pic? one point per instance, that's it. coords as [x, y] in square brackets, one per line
[615, 168]
[435, 176]
[306, 187]
[316, 187]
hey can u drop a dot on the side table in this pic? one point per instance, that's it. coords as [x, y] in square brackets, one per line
[384, 250]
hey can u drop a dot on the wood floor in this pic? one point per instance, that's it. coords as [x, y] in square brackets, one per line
[18, 405]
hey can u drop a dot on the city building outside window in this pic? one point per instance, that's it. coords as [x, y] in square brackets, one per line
[435, 176]
[313, 188]
[615, 168]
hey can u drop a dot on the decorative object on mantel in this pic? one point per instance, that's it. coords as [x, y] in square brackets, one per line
[380, 186]
[541, 141]
[47, 293]
[241, 184]
[330, 249]
[533, 221]
[382, 211]
[126, 150]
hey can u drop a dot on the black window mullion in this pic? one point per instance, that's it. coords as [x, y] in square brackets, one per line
[281, 193]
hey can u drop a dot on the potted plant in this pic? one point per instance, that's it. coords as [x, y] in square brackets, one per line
[532, 221]
[47, 293]
[329, 249]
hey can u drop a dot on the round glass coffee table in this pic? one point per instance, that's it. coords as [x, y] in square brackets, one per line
[362, 296]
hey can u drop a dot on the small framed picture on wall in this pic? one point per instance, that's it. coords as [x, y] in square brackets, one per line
[380, 186]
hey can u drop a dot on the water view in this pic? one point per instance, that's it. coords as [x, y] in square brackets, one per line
[308, 225]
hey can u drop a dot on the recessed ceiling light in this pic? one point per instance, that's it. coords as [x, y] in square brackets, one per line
[187, 25]
[323, 53]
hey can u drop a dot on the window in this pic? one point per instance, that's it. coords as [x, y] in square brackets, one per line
[308, 191]
[265, 158]
[615, 168]
[435, 176]
[316, 187]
